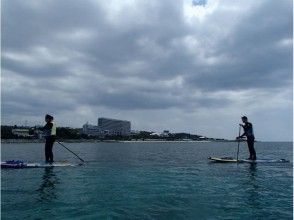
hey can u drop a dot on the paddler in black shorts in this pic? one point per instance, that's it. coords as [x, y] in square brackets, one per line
[248, 132]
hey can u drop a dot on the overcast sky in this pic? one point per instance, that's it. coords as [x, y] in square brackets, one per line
[183, 65]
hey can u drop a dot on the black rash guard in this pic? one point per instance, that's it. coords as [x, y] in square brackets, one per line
[248, 130]
[47, 129]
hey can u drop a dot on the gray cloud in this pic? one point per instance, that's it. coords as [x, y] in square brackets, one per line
[192, 56]
[199, 2]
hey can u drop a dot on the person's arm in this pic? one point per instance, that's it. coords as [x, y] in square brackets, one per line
[43, 128]
[241, 136]
[47, 129]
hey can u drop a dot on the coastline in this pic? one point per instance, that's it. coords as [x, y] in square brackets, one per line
[20, 141]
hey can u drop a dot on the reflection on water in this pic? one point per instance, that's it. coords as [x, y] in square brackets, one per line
[253, 175]
[252, 186]
[47, 189]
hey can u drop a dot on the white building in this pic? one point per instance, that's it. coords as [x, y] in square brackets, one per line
[114, 127]
[21, 132]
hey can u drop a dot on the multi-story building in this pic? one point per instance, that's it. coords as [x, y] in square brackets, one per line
[91, 130]
[21, 132]
[114, 126]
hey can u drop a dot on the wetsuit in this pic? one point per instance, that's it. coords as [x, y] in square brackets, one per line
[49, 132]
[248, 132]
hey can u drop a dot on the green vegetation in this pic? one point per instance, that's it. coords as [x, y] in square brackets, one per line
[6, 132]
[66, 133]
[33, 132]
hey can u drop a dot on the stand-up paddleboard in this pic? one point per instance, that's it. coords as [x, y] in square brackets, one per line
[17, 164]
[223, 159]
[266, 161]
[233, 160]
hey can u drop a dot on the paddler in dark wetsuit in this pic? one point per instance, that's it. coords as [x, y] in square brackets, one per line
[49, 132]
[248, 132]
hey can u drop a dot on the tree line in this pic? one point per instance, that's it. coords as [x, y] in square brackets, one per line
[76, 133]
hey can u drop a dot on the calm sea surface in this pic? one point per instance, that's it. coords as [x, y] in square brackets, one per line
[148, 181]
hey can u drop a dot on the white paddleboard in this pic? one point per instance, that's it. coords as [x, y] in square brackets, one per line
[55, 164]
[21, 165]
[233, 160]
[223, 159]
[265, 161]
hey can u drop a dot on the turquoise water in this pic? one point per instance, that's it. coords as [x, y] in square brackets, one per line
[148, 181]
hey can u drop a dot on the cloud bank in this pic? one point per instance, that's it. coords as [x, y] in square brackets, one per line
[193, 66]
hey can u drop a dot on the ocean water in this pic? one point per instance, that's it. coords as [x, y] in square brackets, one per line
[171, 180]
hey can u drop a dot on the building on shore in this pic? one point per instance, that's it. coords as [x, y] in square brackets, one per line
[91, 130]
[114, 127]
[21, 132]
[165, 133]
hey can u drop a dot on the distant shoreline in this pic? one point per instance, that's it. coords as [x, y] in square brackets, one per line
[15, 141]
[23, 141]
[20, 141]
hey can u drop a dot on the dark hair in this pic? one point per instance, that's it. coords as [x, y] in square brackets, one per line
[244, 117]
[49, 117]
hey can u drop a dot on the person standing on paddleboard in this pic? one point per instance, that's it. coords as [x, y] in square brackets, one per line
[248, 132]
[49, 132]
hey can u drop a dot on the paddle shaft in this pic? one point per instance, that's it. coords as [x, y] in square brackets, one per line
[70, 151]
[238, 143]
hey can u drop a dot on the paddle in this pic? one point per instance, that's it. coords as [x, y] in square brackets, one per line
[238, 143]
[70, 151]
